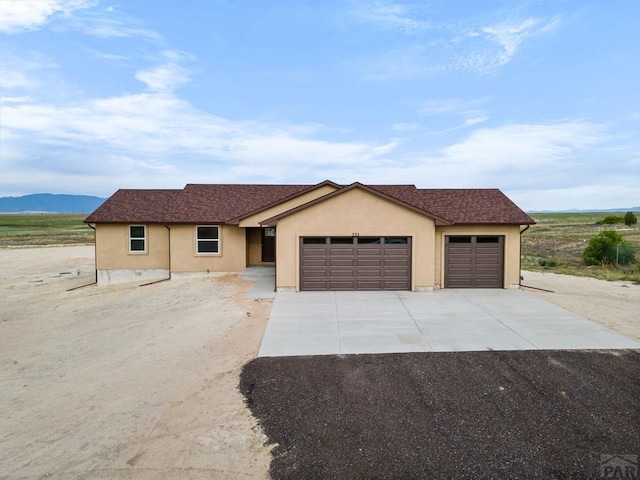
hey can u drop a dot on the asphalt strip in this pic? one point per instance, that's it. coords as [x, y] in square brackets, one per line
[463, 415]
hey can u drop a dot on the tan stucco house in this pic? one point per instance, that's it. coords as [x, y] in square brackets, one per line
[319, 237]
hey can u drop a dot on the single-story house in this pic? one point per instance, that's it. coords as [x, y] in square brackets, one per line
[318, 237]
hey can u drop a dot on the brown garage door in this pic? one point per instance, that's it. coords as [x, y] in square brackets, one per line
[355, 263]
[474, 261]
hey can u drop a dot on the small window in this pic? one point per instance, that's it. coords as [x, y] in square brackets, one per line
[487, 240]
[341, 240]
[314, 240]
[396, 240]
[369, 240]
[208, 240]
[137, 238]
[459, 239]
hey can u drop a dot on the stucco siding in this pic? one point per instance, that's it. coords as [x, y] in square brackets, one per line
[254, 220]
[511, 249]
[184, 258]
[112, 248]
[355, 212]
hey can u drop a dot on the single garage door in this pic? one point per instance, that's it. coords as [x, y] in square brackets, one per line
[474, 261]
[355, 263]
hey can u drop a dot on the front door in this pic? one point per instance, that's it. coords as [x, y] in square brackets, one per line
[268, 244]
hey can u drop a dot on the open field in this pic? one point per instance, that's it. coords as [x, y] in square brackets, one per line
[557, 241]
[21, 230]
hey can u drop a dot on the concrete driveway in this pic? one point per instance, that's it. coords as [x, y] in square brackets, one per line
[319, 323]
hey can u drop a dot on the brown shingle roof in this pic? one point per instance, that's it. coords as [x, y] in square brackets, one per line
[487, 205]
[226, 203]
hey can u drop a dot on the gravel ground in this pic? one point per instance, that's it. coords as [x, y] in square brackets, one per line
[475, 415]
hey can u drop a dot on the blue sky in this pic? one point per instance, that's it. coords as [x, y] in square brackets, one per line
[540, 99]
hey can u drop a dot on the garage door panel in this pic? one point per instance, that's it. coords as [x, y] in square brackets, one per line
[365, 264]
[474, 261]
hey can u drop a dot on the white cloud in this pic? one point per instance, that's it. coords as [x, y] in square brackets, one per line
[511, 34]
[462, 46]
[149, 134]
[168, 76]
[406, 127]
[469, 110]
[525, 145]
[111, 23]
[26, 15]
[22, 71]
[390, 15]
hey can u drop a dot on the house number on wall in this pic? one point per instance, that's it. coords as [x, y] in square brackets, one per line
[355, 234]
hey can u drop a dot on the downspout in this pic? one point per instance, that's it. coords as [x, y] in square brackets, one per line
[520, 268]
[95, 256]
[527, 286]
[169, 247]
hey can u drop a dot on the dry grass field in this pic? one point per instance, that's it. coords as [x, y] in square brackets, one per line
[557, 241]
[24, 230]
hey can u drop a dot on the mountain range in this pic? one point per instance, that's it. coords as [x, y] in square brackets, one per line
[50, 203]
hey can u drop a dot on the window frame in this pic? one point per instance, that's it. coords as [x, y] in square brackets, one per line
[143, 238]
[217, 241]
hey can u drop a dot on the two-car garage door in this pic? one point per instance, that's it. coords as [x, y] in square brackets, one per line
[355, 263]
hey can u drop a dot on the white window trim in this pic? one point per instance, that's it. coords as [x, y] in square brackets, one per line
[219, 240]
[145, 239]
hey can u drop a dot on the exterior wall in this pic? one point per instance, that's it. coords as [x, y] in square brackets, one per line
[232, 256]
[115, 264]
[511, 249]
[254, 246]
[254, 220]
[355, 211]
[112, 248]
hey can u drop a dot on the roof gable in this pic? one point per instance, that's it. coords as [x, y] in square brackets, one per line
[279, 201]
[377, 192]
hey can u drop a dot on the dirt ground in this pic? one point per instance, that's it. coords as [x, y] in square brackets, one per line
[548, 415]
[141, 382]
[616, 305]
[123, 381]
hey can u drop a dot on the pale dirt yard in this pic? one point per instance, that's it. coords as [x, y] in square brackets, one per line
[140, 382]
[616, 305]
[124, 381]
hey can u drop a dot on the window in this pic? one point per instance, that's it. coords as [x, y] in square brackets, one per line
[314, 240]
[464, 239]
[369, 240]
[208, 240]
[396, 240]
[341, 240]
[487, 240]
[137, 238]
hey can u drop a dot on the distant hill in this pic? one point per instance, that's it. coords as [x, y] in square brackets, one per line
[50, 203]
[602, 210]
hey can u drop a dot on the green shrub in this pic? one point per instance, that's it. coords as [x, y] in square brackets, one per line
[630, 219]
[611, 220]
[608, 247]
[547, 263]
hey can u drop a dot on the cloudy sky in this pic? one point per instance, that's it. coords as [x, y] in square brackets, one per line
[540, 99]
